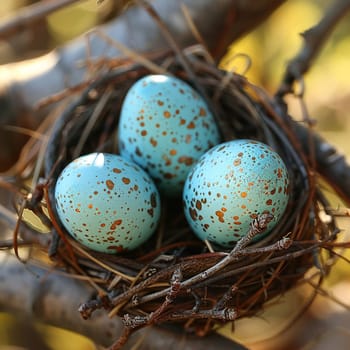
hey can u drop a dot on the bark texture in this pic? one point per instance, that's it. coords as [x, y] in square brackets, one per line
[54, 299]
[25, 83]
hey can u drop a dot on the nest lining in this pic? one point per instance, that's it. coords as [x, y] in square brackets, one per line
[167, 279]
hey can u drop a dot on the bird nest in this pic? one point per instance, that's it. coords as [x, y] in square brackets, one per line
[174, 277]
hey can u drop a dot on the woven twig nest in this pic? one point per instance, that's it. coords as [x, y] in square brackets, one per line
[173, 277]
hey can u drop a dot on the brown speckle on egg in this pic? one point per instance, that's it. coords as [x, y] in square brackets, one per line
[169, 175]
[191, 125]
[188, 139]
[110, 184]
[193, 214]
[220, 215]
[166, 114]
[126, 180]
[186, 160]
[115, 224]
[202, 112]
[138, 152]
[279, 173]
[153, 142]
[237, 162]
[153, 200]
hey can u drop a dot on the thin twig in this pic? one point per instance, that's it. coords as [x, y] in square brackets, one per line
[122, 339]
[314, 40]
[175, 286]
[134, 55]
[258, 225]
[327, 294]
[195, 31]
[239, 270]
[173, 44]
[99, 262]
[168, 36]
[91, 122]
[223, 301]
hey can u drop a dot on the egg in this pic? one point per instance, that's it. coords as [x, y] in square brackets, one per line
[107, 203]
[164, 127]
[230, 186]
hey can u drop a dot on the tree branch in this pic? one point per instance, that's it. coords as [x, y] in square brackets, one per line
[138, 31]
[54, 299]
[329, 162]
[23, 84]
[314, 40]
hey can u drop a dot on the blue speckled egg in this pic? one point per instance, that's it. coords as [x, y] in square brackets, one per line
[165, 126]
[107, 203]
[231, 185]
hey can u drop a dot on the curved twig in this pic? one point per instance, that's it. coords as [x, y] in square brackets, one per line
[314, 40]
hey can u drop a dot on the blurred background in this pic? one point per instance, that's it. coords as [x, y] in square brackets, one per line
[270, 47]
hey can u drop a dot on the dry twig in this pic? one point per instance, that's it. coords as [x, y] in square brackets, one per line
[314, 40]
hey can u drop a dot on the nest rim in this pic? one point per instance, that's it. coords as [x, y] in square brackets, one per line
[137, 295]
